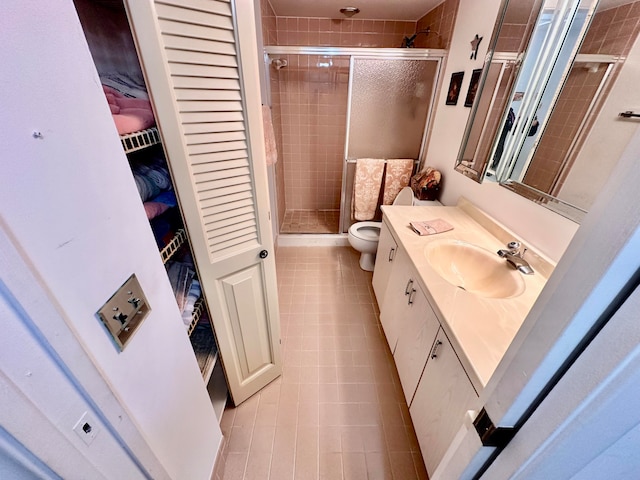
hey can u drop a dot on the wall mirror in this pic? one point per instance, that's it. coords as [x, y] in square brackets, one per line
[548, 71]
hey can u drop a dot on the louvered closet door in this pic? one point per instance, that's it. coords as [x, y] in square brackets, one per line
[208, 111]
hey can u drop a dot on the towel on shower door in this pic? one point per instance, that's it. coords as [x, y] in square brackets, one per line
[366, 188]
[269, 136]
[396, 178]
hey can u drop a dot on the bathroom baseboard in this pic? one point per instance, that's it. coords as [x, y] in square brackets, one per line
[312, 240]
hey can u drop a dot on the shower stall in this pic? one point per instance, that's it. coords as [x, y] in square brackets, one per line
[331, 106]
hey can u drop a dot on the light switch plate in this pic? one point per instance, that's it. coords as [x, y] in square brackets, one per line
[124, 312]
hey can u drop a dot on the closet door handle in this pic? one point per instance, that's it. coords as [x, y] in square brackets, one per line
[263, 254]
[409, 285]
[413, 291]
[434, 350]
[392, 254]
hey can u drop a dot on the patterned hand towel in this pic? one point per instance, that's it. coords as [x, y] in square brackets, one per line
[366, 188]
[396, 178]
[269, 136]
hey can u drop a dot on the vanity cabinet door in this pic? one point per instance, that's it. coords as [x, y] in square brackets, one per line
[442, 398]
[417, 327]
[387, 249]
[394, 306]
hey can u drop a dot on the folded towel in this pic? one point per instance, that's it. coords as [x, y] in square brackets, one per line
[269, 136]
[133, 120]
[396, 177]
[431, 227]
[366, 188]
[129, 114]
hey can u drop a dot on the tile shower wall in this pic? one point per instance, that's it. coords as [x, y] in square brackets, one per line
[515, 29]
[269, 30]
[342, 32]
[313, 102]
[270, 37]
[309, 98]
[440, 22]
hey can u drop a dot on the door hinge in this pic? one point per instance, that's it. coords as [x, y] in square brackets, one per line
[490, 435]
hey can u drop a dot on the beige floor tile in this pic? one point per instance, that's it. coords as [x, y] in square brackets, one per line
[306, 466]
[330, 439]
[354, 466]
[402, 465]
[378, 466]
[240, 439]
[330, 466]
[257, 466]
[338, 411]
[235, 466]
[262, 440]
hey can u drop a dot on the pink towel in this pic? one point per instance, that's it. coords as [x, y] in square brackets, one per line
[366, 188]
[269, 136]
[397, 177]
[129, 114]
[133, 120]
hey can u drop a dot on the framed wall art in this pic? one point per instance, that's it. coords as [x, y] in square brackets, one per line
[454, 88]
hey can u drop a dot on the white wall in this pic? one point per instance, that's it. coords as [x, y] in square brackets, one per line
[546, 231]
[70, 201]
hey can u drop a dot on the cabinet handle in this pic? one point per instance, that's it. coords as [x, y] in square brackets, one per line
[392, 254]
[409, 285]
[263, 254]
[413, 291]
[434, 350]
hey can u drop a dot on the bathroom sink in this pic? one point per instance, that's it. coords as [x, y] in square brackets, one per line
[474, 269]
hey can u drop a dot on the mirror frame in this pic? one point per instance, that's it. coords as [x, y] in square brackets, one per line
[513, 60]
[477, 169]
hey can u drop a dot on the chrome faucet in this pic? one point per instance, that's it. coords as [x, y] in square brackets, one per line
[516, 258]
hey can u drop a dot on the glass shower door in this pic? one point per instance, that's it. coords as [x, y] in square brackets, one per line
[389, 104]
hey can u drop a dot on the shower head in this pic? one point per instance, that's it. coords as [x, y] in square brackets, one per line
[407, 42]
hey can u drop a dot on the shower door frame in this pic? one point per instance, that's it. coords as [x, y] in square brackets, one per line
[402, 55]
[363, 52]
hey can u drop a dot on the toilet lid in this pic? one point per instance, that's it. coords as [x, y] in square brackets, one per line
[404, 197]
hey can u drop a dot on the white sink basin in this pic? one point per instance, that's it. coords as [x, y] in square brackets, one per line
[474, 269]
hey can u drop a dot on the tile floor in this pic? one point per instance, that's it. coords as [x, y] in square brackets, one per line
[338, 411]
[310, 221]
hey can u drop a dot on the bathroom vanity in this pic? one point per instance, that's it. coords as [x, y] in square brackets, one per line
[450, 307]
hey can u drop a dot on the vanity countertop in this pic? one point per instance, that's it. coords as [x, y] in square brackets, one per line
[480, 329]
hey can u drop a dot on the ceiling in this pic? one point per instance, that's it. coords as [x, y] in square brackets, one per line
[410, 10]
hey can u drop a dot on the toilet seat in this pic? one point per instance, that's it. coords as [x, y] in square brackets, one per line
[365, 236]
[366, 230]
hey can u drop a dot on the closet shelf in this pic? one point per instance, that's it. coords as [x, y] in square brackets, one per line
[198, 308]
[174, 245]
[204, 346]
[139, 140]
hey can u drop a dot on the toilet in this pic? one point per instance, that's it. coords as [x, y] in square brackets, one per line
[364, 236]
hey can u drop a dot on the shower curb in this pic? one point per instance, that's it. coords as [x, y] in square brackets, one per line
[312, 240]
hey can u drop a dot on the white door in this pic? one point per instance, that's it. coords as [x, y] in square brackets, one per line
[207, 104]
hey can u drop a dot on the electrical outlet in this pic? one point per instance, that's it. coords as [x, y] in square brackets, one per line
[87, 428]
